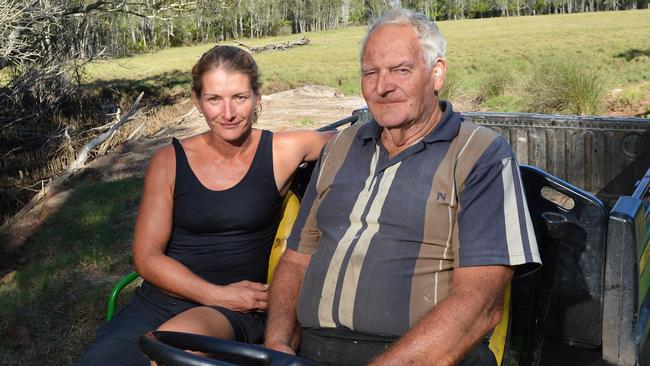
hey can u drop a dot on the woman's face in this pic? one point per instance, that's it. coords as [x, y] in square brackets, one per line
[227, 101]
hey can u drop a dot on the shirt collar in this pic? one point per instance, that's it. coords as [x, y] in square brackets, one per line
[446, 129]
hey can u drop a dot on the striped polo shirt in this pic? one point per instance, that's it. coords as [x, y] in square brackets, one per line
[384, 234]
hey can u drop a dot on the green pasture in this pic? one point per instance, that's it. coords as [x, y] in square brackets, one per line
[616, 45]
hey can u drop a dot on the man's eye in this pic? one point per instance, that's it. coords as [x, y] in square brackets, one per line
[241, 98]
[402, 71]
[369, 73]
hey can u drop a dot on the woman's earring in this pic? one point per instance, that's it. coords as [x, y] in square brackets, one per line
[256, 112]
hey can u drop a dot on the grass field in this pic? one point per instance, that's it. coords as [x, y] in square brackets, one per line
[51, 306]
[615, 44]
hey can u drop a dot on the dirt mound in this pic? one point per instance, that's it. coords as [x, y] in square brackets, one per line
[309, 107]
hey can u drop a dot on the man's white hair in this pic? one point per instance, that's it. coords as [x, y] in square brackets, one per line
[432, 42]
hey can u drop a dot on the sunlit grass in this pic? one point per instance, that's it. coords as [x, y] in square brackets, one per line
[615, 43]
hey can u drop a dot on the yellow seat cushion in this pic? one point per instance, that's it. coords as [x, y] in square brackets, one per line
[290, 209]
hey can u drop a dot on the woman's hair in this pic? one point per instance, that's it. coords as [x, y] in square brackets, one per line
[432, 42]
[232, 58]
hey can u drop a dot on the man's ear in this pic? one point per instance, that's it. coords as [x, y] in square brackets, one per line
[439, 72]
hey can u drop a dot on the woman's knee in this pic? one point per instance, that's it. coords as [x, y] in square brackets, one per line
[200, 320]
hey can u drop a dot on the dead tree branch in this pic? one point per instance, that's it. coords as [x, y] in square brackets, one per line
[276, 47]
[83, 154]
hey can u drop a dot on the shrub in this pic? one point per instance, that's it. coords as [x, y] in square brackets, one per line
[563, 86]
[494, 84]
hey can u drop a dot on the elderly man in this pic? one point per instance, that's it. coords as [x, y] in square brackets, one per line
[411, 226]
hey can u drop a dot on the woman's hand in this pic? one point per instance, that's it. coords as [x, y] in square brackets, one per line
[243, 296]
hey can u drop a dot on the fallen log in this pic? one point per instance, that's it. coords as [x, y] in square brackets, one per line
[275, 47]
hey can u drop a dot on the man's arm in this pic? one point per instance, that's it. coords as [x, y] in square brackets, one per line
[457, 324]
[282, 321]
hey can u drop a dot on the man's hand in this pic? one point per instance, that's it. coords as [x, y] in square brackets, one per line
[458, 323]
[282, 328]
[281, 347]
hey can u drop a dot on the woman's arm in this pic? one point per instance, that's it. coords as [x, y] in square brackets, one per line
[308, 144]
[152, 232]
[290, 149]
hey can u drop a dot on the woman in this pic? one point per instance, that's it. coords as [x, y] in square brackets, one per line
[208, 216]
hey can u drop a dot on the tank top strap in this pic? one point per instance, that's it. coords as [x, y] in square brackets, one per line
[262, 164]
[183, 170]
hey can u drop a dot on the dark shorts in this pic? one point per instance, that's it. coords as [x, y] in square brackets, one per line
[340, 346]
[248, 327]
[116, 341]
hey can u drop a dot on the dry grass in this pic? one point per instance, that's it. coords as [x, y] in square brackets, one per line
[564, 86]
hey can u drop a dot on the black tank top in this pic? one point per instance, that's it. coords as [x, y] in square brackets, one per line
[226, 236]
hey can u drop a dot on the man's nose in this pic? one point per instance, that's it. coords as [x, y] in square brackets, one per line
[385, 83]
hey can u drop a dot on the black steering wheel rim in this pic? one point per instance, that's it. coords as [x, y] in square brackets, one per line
[168, 348]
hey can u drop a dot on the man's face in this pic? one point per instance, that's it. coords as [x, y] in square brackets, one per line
[396, 82]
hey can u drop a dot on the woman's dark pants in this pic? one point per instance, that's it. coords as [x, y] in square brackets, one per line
[116, 342]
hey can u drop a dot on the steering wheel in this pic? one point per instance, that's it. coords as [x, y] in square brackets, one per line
[168, 348]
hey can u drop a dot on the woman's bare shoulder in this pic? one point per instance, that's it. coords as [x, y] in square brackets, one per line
[304, 143]
[163, 153]
[163, 162]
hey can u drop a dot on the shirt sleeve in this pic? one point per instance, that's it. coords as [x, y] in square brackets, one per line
[493, 221]
[305, 235]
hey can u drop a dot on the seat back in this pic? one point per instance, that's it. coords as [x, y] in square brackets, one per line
[564, 298]
[576, 306]
[626, 309]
